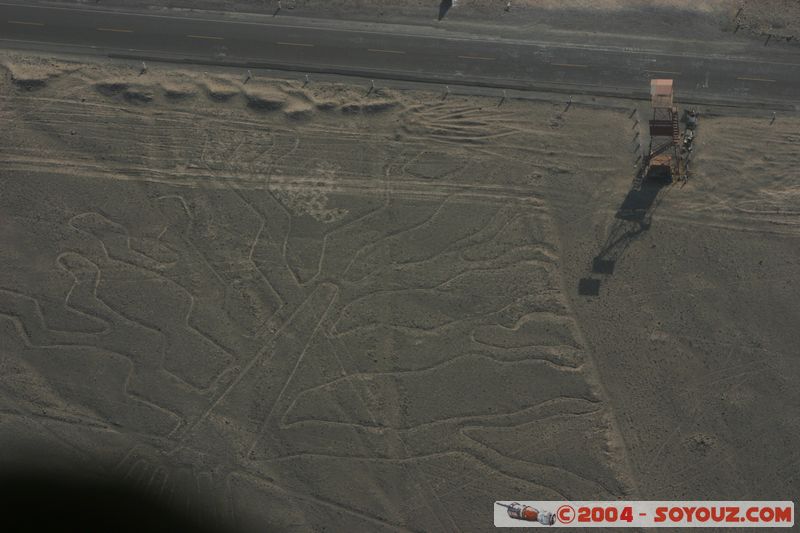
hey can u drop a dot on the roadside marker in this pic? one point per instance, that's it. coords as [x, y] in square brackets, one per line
[380, 51]
[745, 78]
[478, 58]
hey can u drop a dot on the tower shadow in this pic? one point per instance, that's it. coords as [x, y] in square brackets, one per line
[632, 219]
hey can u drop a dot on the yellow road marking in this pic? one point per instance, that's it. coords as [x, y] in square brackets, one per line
[114, 30]
[568, 65]
[477, 57]
[24, 23]
[294, 44]
[755, 79]
[662, 71]
[209, 37]
[378, 50]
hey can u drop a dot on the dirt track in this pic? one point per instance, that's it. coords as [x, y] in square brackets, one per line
[267, 296]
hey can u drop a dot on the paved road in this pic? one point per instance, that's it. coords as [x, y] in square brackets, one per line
[576, 68]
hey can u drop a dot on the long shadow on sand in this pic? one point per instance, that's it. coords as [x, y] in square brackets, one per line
[632, 219]
[444, 7]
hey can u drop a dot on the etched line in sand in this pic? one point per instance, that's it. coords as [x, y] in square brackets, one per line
[319, 293]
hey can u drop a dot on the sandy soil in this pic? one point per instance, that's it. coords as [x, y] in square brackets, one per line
[693, 328]
[308, 307]
[291, 296]
[778, 18]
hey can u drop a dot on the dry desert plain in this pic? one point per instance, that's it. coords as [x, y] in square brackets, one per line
[307, 307]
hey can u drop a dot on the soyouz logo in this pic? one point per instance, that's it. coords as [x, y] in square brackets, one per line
[583, 514]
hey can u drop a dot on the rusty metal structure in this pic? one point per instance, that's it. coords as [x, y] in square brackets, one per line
[664, 160]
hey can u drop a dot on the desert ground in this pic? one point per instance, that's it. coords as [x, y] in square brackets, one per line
[320, 306]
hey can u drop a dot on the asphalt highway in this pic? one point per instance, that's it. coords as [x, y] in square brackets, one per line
[574, 68]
